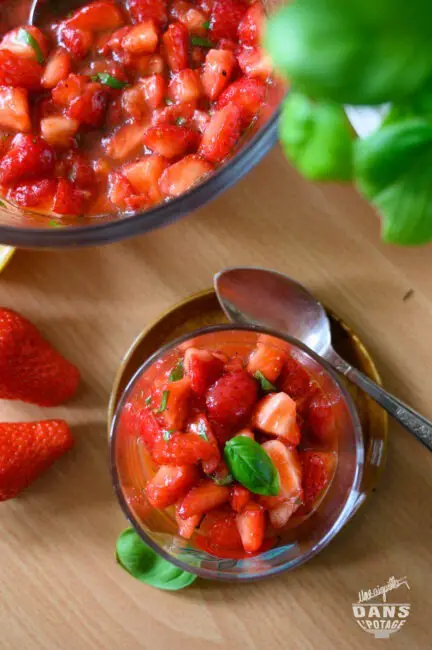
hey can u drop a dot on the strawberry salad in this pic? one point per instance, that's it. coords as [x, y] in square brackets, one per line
[241, 444]
[123, 105]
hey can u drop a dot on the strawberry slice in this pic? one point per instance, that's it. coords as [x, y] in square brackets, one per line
[185, 86]
[170, 141]
[267, 359]
[68, 199]
[14, 109]
[225, 17]
[125, 141]
[169, 484]
[202, 368]
[144, 175]
[295, 380]
[251, 25]
[321, 417]
[58, 131]
[282, 513]
[18, 42]
[175, 44]
[192, 17]
[318, 471]
[28, 157]
[172, 401]
[141, 10]
[34, 193]
[141, 39]
[183, 175]
[57, 68]
[248, 95]
[275, 415]
[183, 449]
[186, 527]
[251, 526]
[80, 171]
[287, 463]
[247, 433]
[68, 89]
[255, 63]
[133, 103]
[19, 72]
[201, 427]
[90, 107]
[77, 42]
[203, 498]
[221, 134]
[231, 399]
[119, 190]
[153, 89]
[239, 498]
[96, 17]
[222, 531]
[218, 69]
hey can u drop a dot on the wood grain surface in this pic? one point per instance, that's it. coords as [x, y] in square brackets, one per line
[60, 588]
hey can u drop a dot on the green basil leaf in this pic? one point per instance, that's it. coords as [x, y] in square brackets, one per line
[202, 42]
[108, 80]
[177, 373]
[317, 138]
[143, 563]
[394, 171]
[148, 400]
[167, 434]
[356, 52]
[206, 25]
[266, 385]
[251, 466]
[25, 37]
[164, 401]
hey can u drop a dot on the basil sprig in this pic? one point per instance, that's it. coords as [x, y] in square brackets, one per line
[144, 564]
[24, 36]
[164, 401]
[177, 372]
[251, 466]
[201, 42]
[108, 80]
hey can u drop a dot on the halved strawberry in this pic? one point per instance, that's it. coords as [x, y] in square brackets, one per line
[231, 399]
[318, 471]
[192, 17]
[175, 44]
[90, 107]
[183, 175]
[221, 530]
[255, 63]
[247, 94]
[19, 72]
[201, 426]
[225, 17]
[57, 68]
[153, 89]
[169, 484]
[321, 417]
[251, 25]
[141, 10]
[69, 199]
[218, 69]
[239, 498]
[125, 141]
[14, 109]
[287, 463]
[267, 359]
[185, 86]
[251, 526]
[141, 39]
[77, 42]
[58, 130]
[202, 498]
[221, 134]
[186, 527]
[182, 449]
[68, 89]
[34, 193]
[26, 42]
[170, 140]
[144, 175]
[28, 157]
[202, 368]
[275, 415]
[96, 17]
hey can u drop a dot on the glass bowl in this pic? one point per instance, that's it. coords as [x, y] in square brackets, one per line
[24, 228]
[131, 466]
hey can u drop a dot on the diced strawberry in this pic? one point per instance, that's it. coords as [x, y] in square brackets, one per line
[193, 18]
[175, 43]
[247, 433]
[201, 426]
[197, 56]
[218, 69]
[231, 399]
[172, 401]
[251, 526]
[19, 72]
[221, 134]
[247, 94]
[202, 368]
[182, 449]
[251, 25]
[57, 68]
[125, 141]
[153, 89]
[318, 471]
[255, 63]
[90, 108]
[225, 17]
[14, 109]
[59, 130]
[115, 41]
[169, 484]
[68, 199]
[185, 86]
[17, 41]
[282, 513]
[142, 422]
[221, 474]
[34, 193]
[75, 41]
[186, 527]
[170, 140]
[321, 417]
[227, 44]
[119, 190]
[200, 120]
[234, 364]
[28, 157]
[144, 175]
[69, 89]
[267, 359]
[141, 10]
[275, 415]
[222, 531]
[80, 171]
[96, 17]
[203, 498]
[141, 39]
[133, 103]
[180, 114]
[239, 498]
[287, 463]
[183, 175]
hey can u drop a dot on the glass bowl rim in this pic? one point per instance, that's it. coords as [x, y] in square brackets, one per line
[348, 508]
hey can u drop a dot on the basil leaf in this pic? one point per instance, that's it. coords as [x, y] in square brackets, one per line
[317, 138]
[177, 373]
[394, 171]
[164, 401]
[266, 385]
[24, 36]
[251, 466]
[167, 434]
[357, 52]
[109, 80]
[202, 42]
[148, 400]
[141, 562]
[206, 25]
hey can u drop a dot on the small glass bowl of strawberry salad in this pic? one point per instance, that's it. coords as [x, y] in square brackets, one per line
[122, 106]
[236, 454]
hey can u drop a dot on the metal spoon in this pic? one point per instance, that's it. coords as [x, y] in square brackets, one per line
[41, 11]
[263, 297]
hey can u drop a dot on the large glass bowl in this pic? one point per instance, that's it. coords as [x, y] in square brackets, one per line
[131, 467]
[25, 229]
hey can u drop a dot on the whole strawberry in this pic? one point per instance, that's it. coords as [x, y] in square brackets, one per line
[31, 370]
[27, 449]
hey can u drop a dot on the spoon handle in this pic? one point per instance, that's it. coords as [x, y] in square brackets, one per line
[415, 423]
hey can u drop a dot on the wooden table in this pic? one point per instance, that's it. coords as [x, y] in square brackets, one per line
[60, 588]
